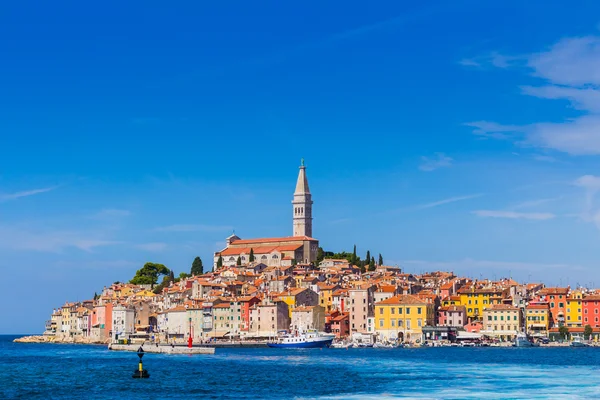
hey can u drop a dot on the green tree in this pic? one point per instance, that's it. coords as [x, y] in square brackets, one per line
[239, 261]
[362, 268]
[183, 275]
[220, 262]
[354, 258]
[149, 273]
[197, 267]
[172, 276]
[251, 258]
[372, 264]
[294, 262]
[368, 257]
[563, 332]
[320, 255]
[96, 296]
[165, 283]
[380, 259]
[587, 332]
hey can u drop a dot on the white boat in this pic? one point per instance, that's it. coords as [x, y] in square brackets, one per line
[578, 342]
[340, 345]
[523, 341]
[302, 340]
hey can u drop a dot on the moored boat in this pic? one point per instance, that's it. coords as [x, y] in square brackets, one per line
[578, 342]
[302, 340]
[522, 340]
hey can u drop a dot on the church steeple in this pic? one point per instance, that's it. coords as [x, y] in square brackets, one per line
[302, 205]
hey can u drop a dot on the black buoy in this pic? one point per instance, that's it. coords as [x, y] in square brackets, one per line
[140, 372]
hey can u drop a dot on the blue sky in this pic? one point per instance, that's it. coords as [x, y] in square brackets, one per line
[460, 136]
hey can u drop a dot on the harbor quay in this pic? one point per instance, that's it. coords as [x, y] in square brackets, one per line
[260, 289]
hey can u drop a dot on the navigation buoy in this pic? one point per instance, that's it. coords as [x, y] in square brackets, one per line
[141, 372]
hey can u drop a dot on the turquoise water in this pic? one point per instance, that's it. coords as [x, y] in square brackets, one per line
[43, 371]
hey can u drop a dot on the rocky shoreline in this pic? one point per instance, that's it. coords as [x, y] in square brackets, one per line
[54, 339]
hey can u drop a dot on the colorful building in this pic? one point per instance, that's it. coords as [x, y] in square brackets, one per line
[574, 309]
[402, 317]
[591, 310]
[537, 319]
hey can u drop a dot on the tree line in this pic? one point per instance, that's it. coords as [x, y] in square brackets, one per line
[150, 273]
[366, 264]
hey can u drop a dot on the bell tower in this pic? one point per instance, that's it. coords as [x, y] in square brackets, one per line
[302, 205]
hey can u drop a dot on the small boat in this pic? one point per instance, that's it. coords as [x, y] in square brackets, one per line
[523, 341]
[578, 342]
[302, 340]
[340, 345]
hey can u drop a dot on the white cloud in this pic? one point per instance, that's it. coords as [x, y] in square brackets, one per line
[533, 203]
[447, 201]
[571, 69]
[591, 184]
[513, 215]
[571, 61]
[439, 161]
[193, 228]
[17, 238]
[152, 247]
[493, 129]
[26, 193]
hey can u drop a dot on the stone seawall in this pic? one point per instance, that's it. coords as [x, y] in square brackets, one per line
[162, 349]
[55, 339]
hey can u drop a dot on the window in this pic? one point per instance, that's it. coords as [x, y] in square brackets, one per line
[393, 310]
[393, 323]
[495, 318]
[408, 324]
[407, 310]
[381, 323]
[489, 317]
[380, 310]
[399, 310]
[418, 310]
[552, 305]
[561, 305]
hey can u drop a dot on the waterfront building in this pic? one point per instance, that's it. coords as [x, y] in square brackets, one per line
[308, 317]
[299, 248]
[246, 303]
[454, 316]
[173, 323]
[123, 322]
[403, 317]
[361, 307]
[503, 321]
[267, 319]
[591, 310]
[385, 292]
[537, 319]
[340, 325]
[556, 297]
[574, 309]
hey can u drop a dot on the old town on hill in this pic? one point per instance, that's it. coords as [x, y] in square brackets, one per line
[259, 287]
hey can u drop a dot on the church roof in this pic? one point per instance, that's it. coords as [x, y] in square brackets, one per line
[259, 249]
[273, 240]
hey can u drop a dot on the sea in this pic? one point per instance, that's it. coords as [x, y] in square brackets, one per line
[63, 371]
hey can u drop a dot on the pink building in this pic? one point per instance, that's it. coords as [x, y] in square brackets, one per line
[452, 316]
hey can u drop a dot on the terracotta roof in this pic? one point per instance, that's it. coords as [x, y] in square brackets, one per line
[273, 240]
[555, 290]
[402, 299]
[502, 307]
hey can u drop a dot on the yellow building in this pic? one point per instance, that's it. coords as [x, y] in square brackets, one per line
[537, 319]
[574, 309]
[403, 317]
[502, 320]
[326, 295]
[451, 301]
[476, 300]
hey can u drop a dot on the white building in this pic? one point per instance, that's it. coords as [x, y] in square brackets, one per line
[123, 322]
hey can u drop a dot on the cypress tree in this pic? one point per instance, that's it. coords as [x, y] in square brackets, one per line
[354, 258]
[380, 259]
[372, 264]
[220, 261]
[197, 267]
[368, 257]
[239, 261]
[251, 255]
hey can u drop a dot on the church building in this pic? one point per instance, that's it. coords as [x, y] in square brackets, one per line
[300, 248]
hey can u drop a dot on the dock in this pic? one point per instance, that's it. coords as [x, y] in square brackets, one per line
[162, 349]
